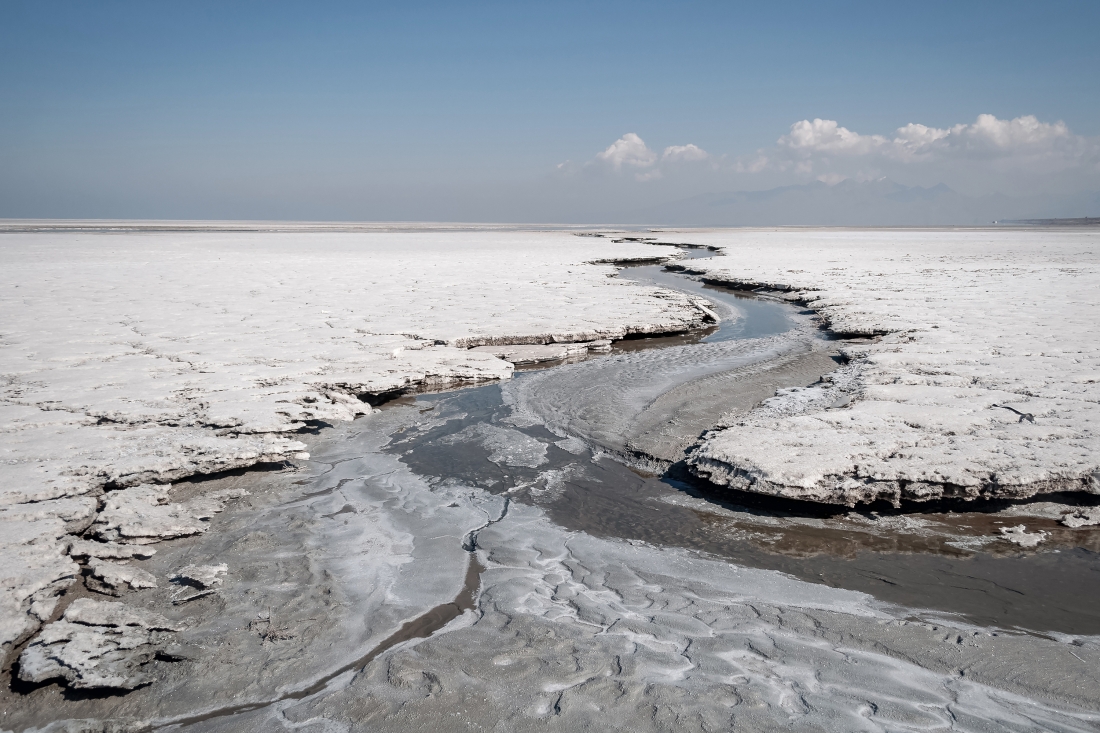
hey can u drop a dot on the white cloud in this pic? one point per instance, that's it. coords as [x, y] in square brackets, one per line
[628, 150]
[1012, 156]
[826, 136]
[987, 137]
[917, 136]
[631, 151]
[687, 152]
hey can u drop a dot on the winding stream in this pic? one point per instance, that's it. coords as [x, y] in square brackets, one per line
[387, 514]
[598, 445]
[579, 440]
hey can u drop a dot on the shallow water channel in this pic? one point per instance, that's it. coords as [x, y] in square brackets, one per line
[554, 438]
[318, 549]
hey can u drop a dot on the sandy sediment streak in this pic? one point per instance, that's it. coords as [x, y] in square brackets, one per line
[141, 357]
[982, 378]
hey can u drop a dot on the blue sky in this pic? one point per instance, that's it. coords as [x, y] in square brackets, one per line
[466, 111]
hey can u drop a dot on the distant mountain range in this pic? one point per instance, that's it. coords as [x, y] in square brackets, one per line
[861, 203]
[1080, 221]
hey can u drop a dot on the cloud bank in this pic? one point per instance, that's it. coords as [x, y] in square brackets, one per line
[986, 156]
[988, 137]
[820, 171]
[1021, 148]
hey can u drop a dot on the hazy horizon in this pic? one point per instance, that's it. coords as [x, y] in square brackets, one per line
[694, 114]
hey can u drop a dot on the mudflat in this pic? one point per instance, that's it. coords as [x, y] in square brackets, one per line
[235, 499]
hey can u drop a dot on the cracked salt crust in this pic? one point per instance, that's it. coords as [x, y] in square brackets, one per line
[570, 631]
[97, 644]
[661, 623]
[970, 322]
[145, 357]
[574, 633]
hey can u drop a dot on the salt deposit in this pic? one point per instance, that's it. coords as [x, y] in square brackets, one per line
[132, 358]
[111, 577]
[202, 576]
[1082, 517]
[97, 644]
[1019, 535]
[981, 375]
[133, 361]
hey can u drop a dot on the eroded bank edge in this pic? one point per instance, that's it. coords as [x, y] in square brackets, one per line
[279, 449]
[896, 492]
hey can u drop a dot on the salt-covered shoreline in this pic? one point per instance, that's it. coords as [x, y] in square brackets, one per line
[327, 563]
[149, 356]
[983, 379]
[140, 358]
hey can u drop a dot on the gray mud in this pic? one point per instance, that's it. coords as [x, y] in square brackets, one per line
[921, 563]
[644, 406]
[407, 576]
[329, 565]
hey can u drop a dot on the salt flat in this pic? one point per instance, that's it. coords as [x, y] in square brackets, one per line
[133, 359]
[983, 378]
[569, 631]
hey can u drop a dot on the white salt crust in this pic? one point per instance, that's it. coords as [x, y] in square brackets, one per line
[969, 323]
[570, 600]
[134, 358]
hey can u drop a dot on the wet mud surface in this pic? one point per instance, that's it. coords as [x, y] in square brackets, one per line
[947, 557]
[420, 627]
[386, 565]
[921, 558]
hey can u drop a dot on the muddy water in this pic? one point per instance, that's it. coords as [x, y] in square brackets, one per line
[944, 557]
